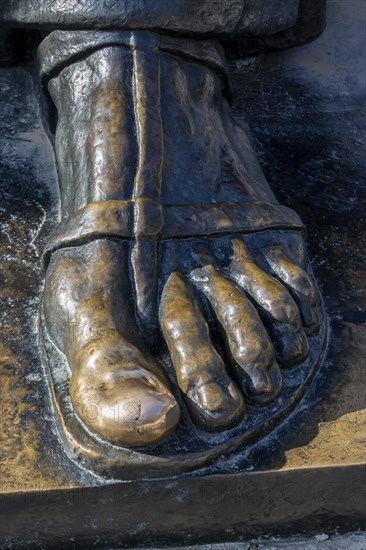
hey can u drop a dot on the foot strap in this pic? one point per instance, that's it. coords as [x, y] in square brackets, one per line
[152, 221]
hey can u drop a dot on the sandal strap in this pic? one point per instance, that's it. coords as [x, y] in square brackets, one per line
[62, 48]
[147, 219]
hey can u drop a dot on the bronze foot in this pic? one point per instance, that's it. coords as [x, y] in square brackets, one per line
[182, 228]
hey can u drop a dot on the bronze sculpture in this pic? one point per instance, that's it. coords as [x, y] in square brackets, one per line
[165, 213]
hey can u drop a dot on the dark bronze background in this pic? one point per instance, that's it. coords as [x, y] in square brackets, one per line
[307, 114]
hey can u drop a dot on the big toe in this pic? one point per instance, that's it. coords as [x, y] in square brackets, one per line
[123, 402]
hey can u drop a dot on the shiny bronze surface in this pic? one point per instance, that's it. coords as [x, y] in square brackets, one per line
[136, 123]
[212, 397]
[103, 395]
[116, 388]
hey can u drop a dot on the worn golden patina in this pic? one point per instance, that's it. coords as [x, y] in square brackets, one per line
[169, 236]
[236, 312]
[122, 136]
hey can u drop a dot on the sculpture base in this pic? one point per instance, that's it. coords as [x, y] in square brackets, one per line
[307, 475]
[191, 510]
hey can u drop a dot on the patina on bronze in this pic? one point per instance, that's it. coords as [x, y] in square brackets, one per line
[305, 111]
[167, 224]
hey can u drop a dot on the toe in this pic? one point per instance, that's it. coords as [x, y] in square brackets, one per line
[275, 302]
[214, 400]
[117, 394]
[246, 336]
[301, 286]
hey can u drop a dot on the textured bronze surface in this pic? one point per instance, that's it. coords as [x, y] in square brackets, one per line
[116, 124]
[209, 16]
[308, 473]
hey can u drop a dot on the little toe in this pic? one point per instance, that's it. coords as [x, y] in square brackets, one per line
[214, 400]
[246, 335]
[275, 303]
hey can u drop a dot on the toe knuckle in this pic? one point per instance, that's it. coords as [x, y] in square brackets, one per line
[255, 352]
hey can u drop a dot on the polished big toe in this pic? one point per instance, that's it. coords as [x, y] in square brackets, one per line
[119, 397]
